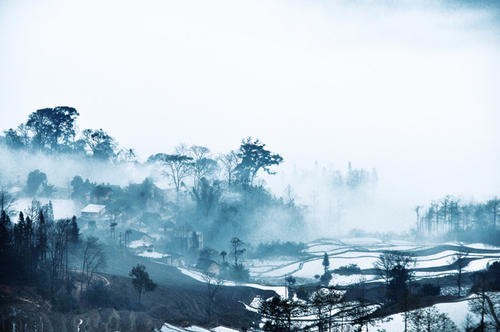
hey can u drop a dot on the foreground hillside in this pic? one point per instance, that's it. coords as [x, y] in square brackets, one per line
[178, 299]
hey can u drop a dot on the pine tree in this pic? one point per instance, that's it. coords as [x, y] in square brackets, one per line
[5, 235]
[41, 241]
[5, 238]
[19, 236]
[326, 262]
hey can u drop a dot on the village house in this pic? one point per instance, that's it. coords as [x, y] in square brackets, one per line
[93, 213]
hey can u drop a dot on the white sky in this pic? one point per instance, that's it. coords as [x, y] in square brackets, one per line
[408, 87]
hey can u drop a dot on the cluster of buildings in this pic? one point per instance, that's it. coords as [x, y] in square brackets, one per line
[176, 241]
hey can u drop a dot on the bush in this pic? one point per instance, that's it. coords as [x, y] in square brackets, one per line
[326, 277]
[348, 269]
[100, 295]
[237, 273]
[430, 290]
[64, 302]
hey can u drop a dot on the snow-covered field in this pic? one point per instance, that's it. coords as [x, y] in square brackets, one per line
[364, 252]
[456, 311]
[432, 260]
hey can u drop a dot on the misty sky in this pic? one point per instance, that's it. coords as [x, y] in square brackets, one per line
[408, 87]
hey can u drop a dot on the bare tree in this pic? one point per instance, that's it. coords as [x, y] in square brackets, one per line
[237, 249]
[229, 162]
[177, 167]
[203, 166]
[6, 201]
[493, 206]
[214, 285]
[485, 304]
[430, 319]
[92, 260]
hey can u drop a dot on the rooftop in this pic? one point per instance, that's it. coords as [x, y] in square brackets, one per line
[93, 208]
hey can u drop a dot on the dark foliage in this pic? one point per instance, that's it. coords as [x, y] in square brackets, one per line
[429, 290]
[277, 249]
[348, 269]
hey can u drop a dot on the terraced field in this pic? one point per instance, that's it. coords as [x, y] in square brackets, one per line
[432, 260]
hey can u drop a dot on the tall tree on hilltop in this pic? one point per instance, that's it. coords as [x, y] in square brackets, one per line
[100, 143]
[202, 165]
[177, 167]
[52, 127]
[229, 163]
[254, 157]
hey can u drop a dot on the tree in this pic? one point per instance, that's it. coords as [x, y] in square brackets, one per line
[41, 236]
[36, 182]
[81, 189]
[5, 235]
[213, 286]
[254, 157]
[93, 258]
[429, 320]
[390, 259]
[486, 301]
[58, 238]
[223, 254]
[177, 167]
[6, 201]
[52, 127]
[289, 282]
[460, 263]
[203, 166]
[74, 231]
[100, 143]
[397, 290]
[126, 156]
[326, 300]
[493, 206]
[206, 195]
[229, 163]
[101, 193]
[279, 313]
[237, 249]
[326, 262]
[141, 281]
[15, 139]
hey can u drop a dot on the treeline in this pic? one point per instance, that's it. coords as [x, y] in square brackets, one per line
[35, 250]
[467, 221]
[53, 130]
[354, 178]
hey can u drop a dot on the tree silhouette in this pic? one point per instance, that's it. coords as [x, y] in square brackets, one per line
[254, 157]
[141, 281]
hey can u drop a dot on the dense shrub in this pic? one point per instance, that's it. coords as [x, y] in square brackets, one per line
[326, 277]
[348, 269]
[236, 273]
[430, 290]
[64, 302]
[100, 295]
